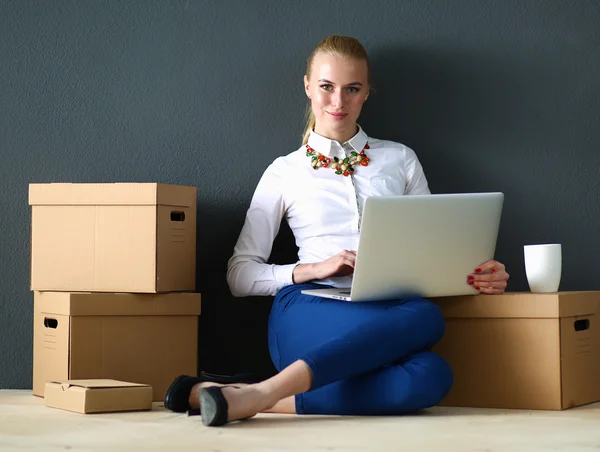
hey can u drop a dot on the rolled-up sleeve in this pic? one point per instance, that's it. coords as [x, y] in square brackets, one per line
[248, 272]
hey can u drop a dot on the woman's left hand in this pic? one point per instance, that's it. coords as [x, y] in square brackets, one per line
[489, 278]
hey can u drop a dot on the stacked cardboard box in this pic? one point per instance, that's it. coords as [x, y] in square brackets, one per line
[113, 273]
[522, 350]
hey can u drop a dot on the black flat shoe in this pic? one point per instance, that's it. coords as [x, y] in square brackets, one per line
[214, 406]
[178, 395]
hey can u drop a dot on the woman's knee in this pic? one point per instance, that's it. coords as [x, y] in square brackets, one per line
[431, 320]
[432, 378]
[438, 323]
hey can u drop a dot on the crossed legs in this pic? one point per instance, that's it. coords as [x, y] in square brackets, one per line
[336, 357]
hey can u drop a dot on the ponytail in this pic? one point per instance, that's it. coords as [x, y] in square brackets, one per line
[310, 124]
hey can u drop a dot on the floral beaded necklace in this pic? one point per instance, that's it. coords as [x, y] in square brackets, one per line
[342, 167]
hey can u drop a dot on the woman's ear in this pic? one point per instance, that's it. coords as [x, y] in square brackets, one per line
[306, 87]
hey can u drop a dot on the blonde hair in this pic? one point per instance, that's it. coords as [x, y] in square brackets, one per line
[339, 46]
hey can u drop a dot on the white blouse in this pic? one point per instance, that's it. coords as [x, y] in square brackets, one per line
[323, 209]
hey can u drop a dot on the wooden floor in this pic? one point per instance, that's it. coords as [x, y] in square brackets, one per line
[25, 423]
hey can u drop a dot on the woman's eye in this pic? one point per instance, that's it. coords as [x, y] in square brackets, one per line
[352, 90]
[327, 87]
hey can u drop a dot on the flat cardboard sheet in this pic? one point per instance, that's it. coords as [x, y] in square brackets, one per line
[98, 396]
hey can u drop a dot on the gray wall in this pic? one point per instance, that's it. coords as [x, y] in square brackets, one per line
[492, 95]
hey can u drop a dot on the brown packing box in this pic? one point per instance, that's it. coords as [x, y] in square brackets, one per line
[522, 350]
[122, 237]
[141, 338]
[98, 396]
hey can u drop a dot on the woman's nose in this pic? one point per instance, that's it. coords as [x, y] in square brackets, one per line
[337, 99]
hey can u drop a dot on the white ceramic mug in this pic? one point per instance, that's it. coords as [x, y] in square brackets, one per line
[543, 266]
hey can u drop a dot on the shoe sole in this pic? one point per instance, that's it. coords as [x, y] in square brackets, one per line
[209, 408]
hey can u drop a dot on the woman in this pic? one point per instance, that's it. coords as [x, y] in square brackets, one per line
[333, 357]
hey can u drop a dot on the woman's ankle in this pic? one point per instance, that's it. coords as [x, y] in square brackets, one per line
[267, 395]
[194, 399]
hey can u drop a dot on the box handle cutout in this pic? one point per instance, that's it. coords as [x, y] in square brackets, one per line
[177, 216]
[582, 325]
[50, 323]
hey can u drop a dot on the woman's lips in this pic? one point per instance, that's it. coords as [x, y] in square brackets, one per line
[337, 115]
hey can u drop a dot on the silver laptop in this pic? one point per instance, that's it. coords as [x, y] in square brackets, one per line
[421, 245]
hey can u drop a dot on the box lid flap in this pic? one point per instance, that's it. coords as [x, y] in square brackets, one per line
[112, 194]
[520, 305]
[97, 303]
[96, 384]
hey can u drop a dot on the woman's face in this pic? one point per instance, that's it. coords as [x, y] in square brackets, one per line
[337, 89]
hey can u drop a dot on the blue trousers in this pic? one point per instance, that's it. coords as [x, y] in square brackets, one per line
[366, 358]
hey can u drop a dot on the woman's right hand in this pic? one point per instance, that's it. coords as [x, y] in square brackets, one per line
[342, 264]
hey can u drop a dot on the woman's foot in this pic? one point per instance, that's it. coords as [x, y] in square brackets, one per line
[194, 399]
[178, 397]
[231, 403]
[220, 405]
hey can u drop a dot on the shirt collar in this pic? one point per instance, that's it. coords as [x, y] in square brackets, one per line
[324, 145]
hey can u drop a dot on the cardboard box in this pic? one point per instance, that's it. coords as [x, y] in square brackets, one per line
[98, 396]
[138, 238]
[522, 350]
[141, 338]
